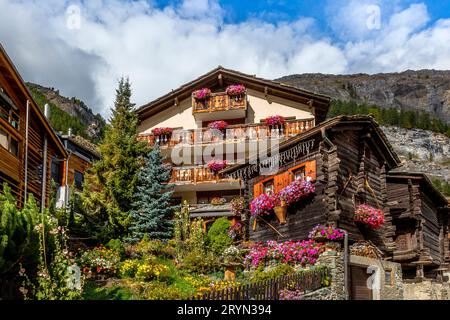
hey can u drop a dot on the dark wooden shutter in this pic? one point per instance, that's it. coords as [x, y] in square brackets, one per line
[359, 289]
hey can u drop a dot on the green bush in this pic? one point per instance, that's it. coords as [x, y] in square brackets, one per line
[201, 263]
[116, 245]
[218, 239]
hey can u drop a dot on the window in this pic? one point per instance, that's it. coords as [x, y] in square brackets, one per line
[56, 172]
[8, 142]
[8, 111]
[268, 186]
[388, 277]
[299, 174]
[78, 180]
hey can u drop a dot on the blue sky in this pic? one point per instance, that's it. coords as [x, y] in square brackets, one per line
[161, 44]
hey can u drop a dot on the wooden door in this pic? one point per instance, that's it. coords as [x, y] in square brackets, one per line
[358, 287]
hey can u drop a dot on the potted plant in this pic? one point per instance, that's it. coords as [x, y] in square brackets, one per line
[231, 259]
[280, 207]
[262, 205]
[236, 91]
[217, 201]
[323, 233]
[369, 216]
[216, 165]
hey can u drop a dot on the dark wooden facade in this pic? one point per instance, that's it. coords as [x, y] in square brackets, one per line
[348, 163]
[420, 215]
[27, 142]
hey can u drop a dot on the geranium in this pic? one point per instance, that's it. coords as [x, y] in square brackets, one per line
[329, 233]
[201, 94]
[217, 165]
[294, 192]
[235, 89]
[162, 131]
[369, 215]
[301, 253]
[275, 120]
[218, 125]
[262, 205]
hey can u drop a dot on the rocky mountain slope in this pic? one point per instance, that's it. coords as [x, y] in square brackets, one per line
[423, 90]
[91, 124]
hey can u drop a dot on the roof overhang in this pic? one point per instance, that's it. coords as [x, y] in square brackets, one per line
[319, 102]
[15, 75]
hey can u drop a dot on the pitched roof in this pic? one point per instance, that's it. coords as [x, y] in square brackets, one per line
[319, 101]
[83, 143]
[424, 180]
[386, 148]
[20, 84]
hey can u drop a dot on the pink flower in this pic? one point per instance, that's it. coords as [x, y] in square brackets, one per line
[161, 131]
[275, 120]
[217, 165]
[262, 205]
[218, 125]
[235, 89]
[329, 233]
[369, 215]
[201, 94]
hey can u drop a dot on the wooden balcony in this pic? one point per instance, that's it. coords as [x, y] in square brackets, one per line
[235, 133]
[200, 178]
[220, 106]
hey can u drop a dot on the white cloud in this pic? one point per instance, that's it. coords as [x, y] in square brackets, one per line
[160, 49]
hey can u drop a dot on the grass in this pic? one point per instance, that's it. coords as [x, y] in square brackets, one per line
[92, 291]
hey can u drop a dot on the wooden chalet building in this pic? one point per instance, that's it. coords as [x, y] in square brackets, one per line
[348, 158]
[69, 174]
[420, 214]
[179, 110]
[28, 144]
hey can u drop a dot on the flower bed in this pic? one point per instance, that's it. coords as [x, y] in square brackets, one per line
[201, 94]
[218, 125]
[289, 252]
[162, 131]
[99, 260]
[216, 165]
[275, 120]
[370, 216]
[321, 232]
[235, 90]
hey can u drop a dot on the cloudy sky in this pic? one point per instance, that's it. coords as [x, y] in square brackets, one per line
[83, 47]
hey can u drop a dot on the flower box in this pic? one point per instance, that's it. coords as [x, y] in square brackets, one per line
[236, 91]
[218, 125]
[201, 94]
[216, 165]
[273, 121]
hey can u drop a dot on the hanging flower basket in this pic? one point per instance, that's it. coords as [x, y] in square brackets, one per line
[262, 205]
[369, 216]
[216, 165]
[323, 233]
[276, 120]
[201, 94]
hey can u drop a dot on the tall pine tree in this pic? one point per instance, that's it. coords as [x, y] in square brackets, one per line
[111, 183]
[152, 210]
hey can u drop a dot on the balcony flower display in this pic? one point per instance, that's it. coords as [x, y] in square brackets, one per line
[237, 206]
[291, 194]
[275, 120]
[301, 253]
[235, 90]
[324, 233]
[162, 131]
[201, 94]
[262, 205]
[218, 125]
[216, 165]
[370, 216]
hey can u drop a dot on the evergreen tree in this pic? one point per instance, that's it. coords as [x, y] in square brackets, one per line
[151, 208]
[111, 183]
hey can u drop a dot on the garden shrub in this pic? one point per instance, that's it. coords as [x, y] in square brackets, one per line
[218, 239]
[128, 268]
[261, 274]
[99, 260]
[147, 271]
[116, 245]
[201, 263]
[156, 291]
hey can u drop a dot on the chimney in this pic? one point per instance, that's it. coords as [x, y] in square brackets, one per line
[47, 111]
[69, 133]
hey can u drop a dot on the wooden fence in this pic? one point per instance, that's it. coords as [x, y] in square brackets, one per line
[270, 289]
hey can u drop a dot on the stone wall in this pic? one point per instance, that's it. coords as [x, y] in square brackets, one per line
[321, 294]
[426, 290]
[334, 260]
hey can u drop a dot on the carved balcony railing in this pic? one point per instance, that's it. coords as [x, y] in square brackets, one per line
[240, 132]
[219, 101]
[194, 175]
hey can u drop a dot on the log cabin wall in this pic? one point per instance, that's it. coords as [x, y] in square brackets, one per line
[360, 164]
[431, 229]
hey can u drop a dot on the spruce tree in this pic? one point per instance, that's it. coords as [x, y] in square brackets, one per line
[111, 183]
[151, 213]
